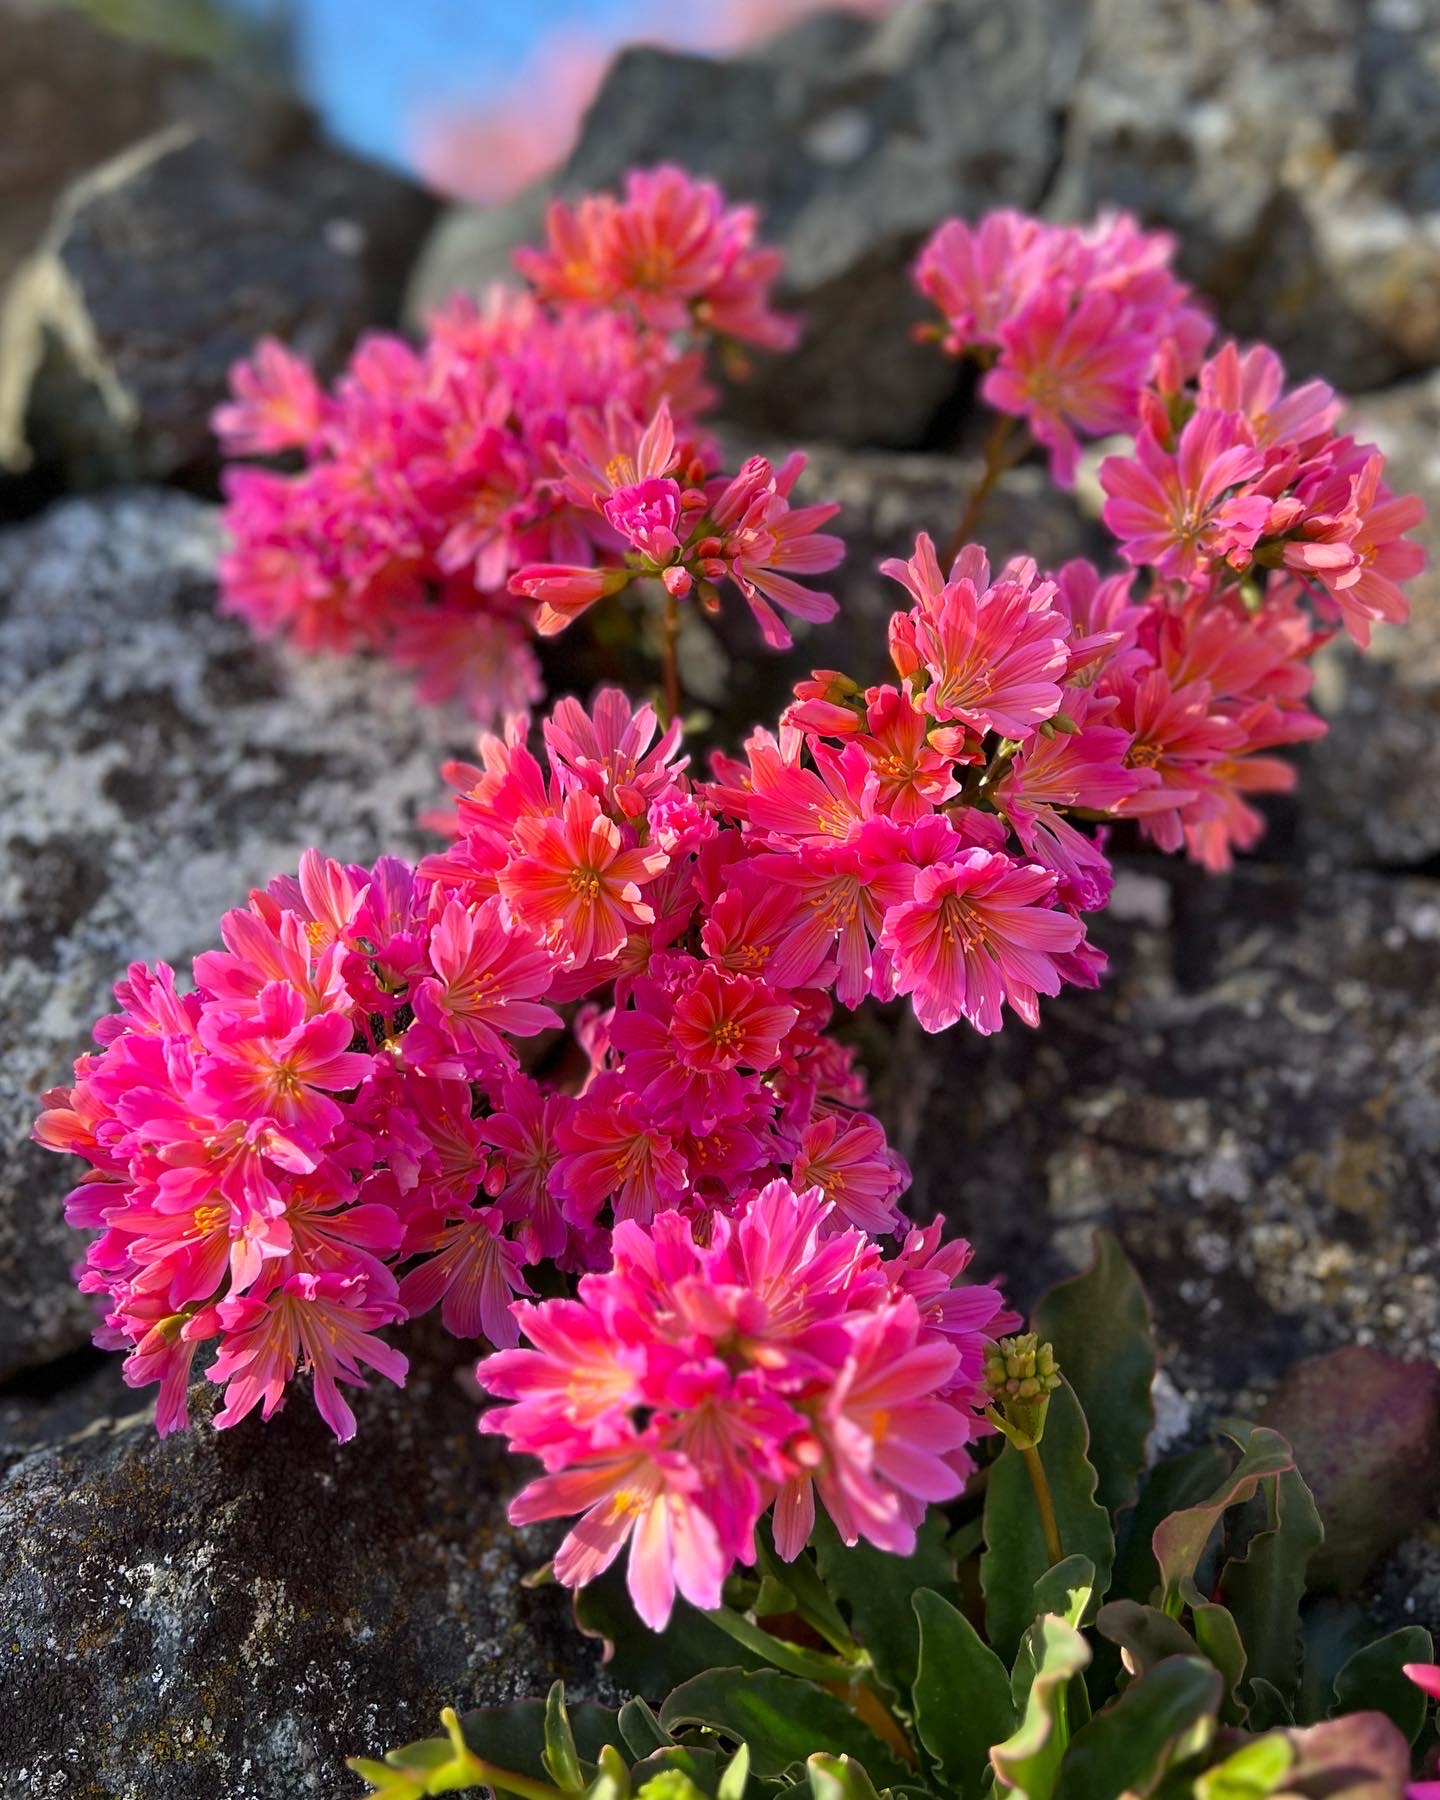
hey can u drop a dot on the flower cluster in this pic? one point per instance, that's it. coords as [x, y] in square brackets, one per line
[1231, 476]
[333, 1131]
[1067, 322]
[695, 1385]
[686, 528]
[431, 475]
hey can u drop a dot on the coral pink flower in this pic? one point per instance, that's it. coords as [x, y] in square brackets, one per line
[563, 593]
[323, 1323]
[486, 982]
[1070, 369]
[280, 1064]
[573, 886]
[613, 1152]
[1174, 510]
[763, 542]
[473, 1274]
[1380, 556]
[992, 656]
[854, 1168]
[980, 931]
[278, 404]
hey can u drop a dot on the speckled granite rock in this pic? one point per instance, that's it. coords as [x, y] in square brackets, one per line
[946, 106]
[1369, 789]
[1252, 1103]
[154, 764]
[1296, 150]
[239, 1611]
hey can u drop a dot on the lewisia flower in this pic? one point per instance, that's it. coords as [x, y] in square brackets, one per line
[1068, 323]
[696, 1384]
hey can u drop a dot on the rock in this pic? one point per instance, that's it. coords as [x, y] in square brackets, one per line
[1368, 790]
[217, 215]
[946, 106]
[1250, 1103]
[1296, 152]
[1366, 1433]
[155, 763]
[234, 1613]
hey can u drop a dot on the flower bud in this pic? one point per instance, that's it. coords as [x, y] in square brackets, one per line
[1021, 1374]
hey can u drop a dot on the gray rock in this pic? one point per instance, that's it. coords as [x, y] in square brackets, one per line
[233, 1613]
[1295, 149]
[199, 212]
[946, 106]
[1252, 1102]
[1368, 789]
[155, 763]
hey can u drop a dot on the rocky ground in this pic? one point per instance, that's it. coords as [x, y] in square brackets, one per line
[1252, 1101]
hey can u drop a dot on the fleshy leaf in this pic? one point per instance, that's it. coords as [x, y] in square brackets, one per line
[1180, 1540]
[1264, 1588]
[1179, 1482]
[1268, 1707]
[838, 1778]
[1099, 1326]
[781, 1718]
[642, 1731]
[642, 1661]
[1374, 1680]
[561, 1758]
[1165, 1716]
[1029, 1759]
[1333, 1630]
[1219, 1638]
[877, 1587]
[1067, 1590]
[1015, 1557]
[961, 1696]
[1251, 1772]
[1360, 1757]
[1144, 1633]
[735, 1777]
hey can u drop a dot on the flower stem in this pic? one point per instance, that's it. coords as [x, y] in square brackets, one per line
[792, 1658]
[1000, 452]
[670, 662]
[1044, 1505]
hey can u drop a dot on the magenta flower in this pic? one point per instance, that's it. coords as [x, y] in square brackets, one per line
[1178, 510]
[486, 983]
[981, 932]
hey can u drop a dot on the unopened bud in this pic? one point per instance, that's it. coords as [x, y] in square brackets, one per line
[1021, 1374]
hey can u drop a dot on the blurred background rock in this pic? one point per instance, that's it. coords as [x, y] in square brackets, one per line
[1253, 1099]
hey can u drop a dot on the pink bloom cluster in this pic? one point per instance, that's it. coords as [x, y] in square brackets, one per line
[670, 250]
[1233, 475]
[699, 1382]
[1067, 322]
[431, 474]
[333, 1131]
[686, 528]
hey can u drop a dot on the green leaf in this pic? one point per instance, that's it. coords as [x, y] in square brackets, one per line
[1066, 1590]
[1146, 1634]
[809, 1592]
[1374, 1681]
[1015, 1557]
[736, 1776]
[514, 1737]
[876, 1587]
[1333, 1630]
[1166, 1715]
[1253, 1771]
[781, 1718]
[1179, 1482]
[1029, 1759]
[642, 1731]
[561, 1758]
[1180, 1540]
[1218, 1636]
[1268, 1708]
[1264, 1588]
[838, 1778]
[1360, 1757]
[961, 1696]
[1099, 1325]
[698, 1766]
[642, 1661]
[613, 1780]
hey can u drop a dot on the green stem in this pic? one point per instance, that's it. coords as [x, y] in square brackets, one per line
[669, 659]
[999, 454]
[1044, 1505]
[789, 1657]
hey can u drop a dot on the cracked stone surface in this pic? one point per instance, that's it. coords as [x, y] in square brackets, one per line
[155, 764]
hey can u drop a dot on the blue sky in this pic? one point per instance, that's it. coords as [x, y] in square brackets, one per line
[372, 65]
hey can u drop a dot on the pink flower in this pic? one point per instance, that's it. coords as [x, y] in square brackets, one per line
[564, 593]
[763, 543]
[573, 885]
[280, 1063]
[322, 1323]
[278, 404]
[486, 982]
[473, 1274]
[980, 931]
[989, 656]
[1175, 510]
[1070, 369]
